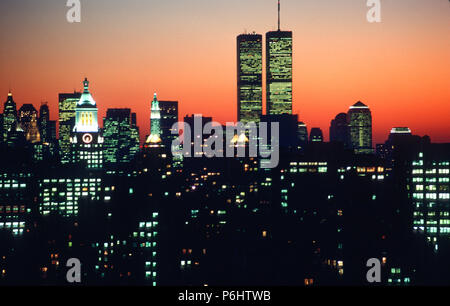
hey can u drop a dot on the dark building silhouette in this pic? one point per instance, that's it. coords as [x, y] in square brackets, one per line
[315, 135]
[169, 116]
[196, 131]
[288, 128]
[302, 135]
[47, 127]
[9, 115]
[339, 131]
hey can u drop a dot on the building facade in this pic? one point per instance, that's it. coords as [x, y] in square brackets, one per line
[9, 115]
[87, 142]
[279, 72]
[360, 128]
[67, 105]
[120, 141]
[249, 77]
[169, 116]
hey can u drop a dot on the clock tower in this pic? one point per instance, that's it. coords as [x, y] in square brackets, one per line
[87, 142]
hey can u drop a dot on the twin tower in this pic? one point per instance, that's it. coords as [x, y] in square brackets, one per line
[278, 75]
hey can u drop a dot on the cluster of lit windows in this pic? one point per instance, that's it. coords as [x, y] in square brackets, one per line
[62, 195]
[93, 158]
[308, 167]
[146, 238]
[431, 194]
[16, 227]
[14, 202]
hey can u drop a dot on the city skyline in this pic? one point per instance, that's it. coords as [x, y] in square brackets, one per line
[319, 94]
[167, 144]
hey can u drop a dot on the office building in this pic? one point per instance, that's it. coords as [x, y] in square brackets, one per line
[67, 103]
[9, 115]
[339, 131]
[360, 128]
[169, 116]
[279, 71]
[249, 77]
[87, 142]
[120, 141]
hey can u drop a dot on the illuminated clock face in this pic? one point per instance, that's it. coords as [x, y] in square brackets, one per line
[87, 138]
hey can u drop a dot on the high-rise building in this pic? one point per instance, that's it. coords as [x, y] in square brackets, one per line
[33, 135]
[15, 200]
[169, 116]
[26, 114]
[429, 186]
[135, 135]
[249, 77]
[120, 143]
[339, 129]
[62, 193]
[279, 71]
[316, 135]
[154, 139]
[302, 135]
[67, 104]
[288, 129]
[87, 143]
[360, 128]
[47, 127]
[9, 115]
[196, 136]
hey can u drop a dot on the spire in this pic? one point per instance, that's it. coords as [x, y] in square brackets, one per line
[86, 85]
[86, 97]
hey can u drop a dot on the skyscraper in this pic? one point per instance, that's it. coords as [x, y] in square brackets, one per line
[28, 117]
[302, 135]
[339, 129]
[87, 143]
[67, 104]
[9, 115]
[249, 77]
[44, 118]
[169, 116]
[120, 145]
[429, 192]
[279, 71]
[25, 114]
[360, 127]
[196, 137]
[154, 139]
[135, 135]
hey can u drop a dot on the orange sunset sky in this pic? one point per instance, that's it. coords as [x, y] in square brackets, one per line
[185, 50]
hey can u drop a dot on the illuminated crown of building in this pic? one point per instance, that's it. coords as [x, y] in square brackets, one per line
[359, 105]
[155, 122]
[86, 112]
[86, 97]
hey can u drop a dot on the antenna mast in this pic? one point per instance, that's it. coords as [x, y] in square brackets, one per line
[278, 15]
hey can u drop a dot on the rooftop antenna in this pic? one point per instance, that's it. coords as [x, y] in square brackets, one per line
[278, 15]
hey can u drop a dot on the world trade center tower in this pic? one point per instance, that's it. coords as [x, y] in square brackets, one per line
[279, 72]
[249, 79]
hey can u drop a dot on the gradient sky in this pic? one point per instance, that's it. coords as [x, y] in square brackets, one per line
[186, 51]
